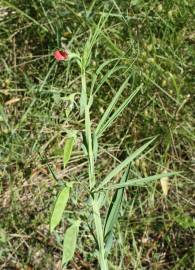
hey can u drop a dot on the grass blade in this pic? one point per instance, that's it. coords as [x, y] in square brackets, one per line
[122, 165]
[142, 181]
[107, 76]
[114, 207]
[22, 13]
[59, 207]
[118, 111]
[111, 106]
[92, 40]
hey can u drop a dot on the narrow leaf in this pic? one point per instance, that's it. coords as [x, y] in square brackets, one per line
[114, 207]
[22, 13]
[89, 145]
[92, 39]
[111, 106]
[68, 149]
[69, 244]
[107, 76]
[59, 207]
[123, 164]
[98, 223]
[142, 181]
[105, 63]
[98, 71]
[118, 111]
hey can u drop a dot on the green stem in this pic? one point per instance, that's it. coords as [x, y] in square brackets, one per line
[100, 236]
[90, 147]
[83, 99]
[95, 206]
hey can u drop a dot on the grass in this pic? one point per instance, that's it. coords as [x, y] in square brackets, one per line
[151, 42]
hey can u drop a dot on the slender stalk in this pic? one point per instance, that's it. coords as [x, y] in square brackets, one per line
[100, 237]
[96, 210]
[90, 149]
[83, 99]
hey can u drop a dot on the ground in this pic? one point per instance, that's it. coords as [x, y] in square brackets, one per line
[153, 43]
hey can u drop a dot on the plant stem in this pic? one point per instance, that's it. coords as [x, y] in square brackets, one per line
[100, 237]
[90, 148]
[96, 209]
[83, 99]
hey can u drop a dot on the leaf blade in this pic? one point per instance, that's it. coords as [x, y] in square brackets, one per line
[118, 111]
[69, 244]
[123, 164]
[68, 150]
[111, 106]
[142, 181]
[59, 208]
[114, 207]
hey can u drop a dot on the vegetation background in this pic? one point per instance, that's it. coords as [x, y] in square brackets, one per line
[154, 42]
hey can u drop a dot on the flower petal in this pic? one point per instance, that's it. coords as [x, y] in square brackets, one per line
[61, 55]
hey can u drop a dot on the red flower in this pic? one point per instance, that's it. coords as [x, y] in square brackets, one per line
[61, 55]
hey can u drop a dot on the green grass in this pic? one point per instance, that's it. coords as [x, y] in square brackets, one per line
[149, 42]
